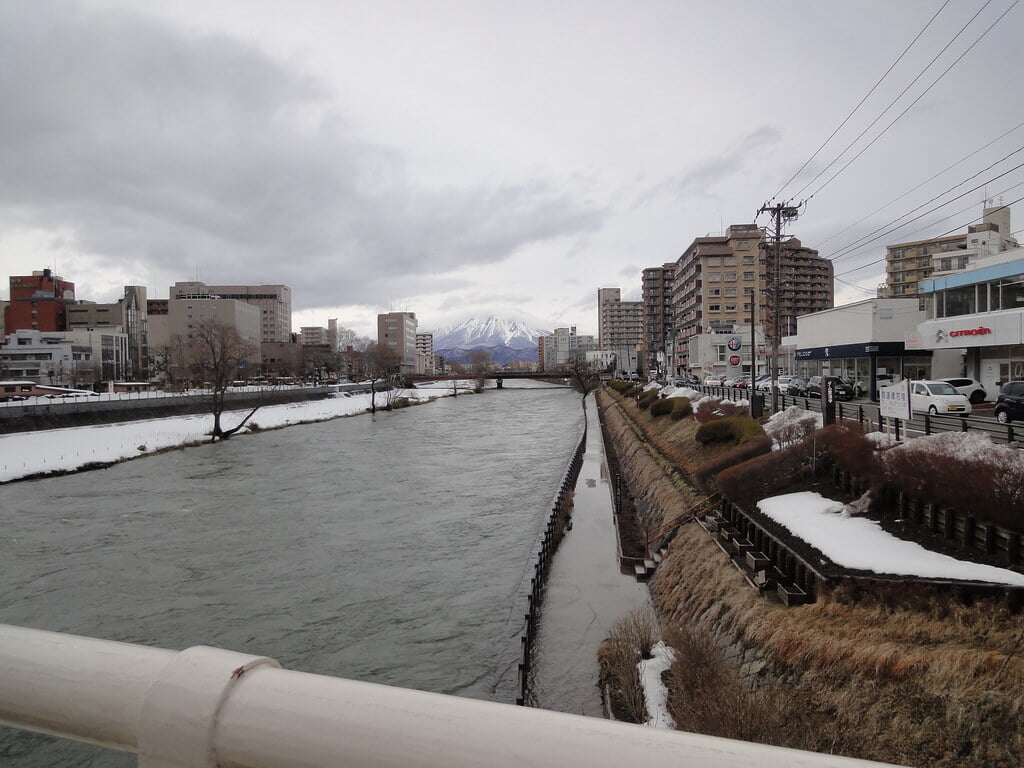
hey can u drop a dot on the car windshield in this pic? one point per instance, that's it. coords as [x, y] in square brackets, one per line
[942, 388]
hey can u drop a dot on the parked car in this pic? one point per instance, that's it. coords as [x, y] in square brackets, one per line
[937, 397]
[714, 380]
[815, 387]
[1010, 402]
[969, 388]
[782, 384]
[797, 387]
[860, 386]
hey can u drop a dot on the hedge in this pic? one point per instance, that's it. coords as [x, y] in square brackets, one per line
[731, 429]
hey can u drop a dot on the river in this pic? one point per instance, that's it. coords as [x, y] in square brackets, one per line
[386, 549]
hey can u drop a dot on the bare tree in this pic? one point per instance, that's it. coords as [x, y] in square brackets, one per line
[381, 365]
[457, 369]
[581, 377]
[216, 353]
[480, 365]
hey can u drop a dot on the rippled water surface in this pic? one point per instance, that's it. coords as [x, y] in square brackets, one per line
[388, 549]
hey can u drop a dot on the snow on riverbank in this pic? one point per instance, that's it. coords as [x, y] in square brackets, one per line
[655, 693]
[23, 454]
[856, 542]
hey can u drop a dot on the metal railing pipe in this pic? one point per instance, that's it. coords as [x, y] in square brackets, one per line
[206, 707]
[76, 687]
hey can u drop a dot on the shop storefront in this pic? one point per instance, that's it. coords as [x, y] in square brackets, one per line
[862, 343]
[979, 314]
[863, 365]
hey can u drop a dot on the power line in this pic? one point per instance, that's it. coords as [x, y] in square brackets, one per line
[951, 231]
[847, 249]
[914, 189]
[921, 96]
[942, 50]
[948, 216]
[861, 102]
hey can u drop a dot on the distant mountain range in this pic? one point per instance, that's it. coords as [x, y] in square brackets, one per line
[506, 339]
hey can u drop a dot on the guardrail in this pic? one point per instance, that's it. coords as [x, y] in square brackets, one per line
[207, 707]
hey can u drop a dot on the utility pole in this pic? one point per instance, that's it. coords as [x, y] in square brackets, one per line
[780, 212]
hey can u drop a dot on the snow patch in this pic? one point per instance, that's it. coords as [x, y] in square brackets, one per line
[655, 693]
[856, 542]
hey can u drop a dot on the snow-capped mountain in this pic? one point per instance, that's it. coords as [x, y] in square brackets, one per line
[507, 339]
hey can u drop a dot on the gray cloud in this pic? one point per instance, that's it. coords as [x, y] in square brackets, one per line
[169, 153]
[722, 166]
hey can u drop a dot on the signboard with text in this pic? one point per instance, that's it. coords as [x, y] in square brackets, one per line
[894, 401]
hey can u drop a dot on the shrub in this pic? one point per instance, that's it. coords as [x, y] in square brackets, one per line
[792, 425]
[737, 429]
[848, 448]
[710, 408]
[764, 476]
[662, 407]
[681, 407]
[962, 472]
[620, 386]
[706, 472]
[648, 397]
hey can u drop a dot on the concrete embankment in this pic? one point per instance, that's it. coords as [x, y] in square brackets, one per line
[914, 679]
[79, 412]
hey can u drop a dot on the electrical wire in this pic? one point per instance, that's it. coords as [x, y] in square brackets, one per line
[915, 101]
[955, 229]
[914, 189]
[932, 224]
[864, 240]
[861, 102]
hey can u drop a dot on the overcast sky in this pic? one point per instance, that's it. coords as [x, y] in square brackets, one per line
[477, 157]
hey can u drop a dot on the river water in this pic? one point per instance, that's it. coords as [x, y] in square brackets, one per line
[386, 549]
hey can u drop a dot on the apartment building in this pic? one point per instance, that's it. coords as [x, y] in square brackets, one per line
[806, 285]
[397, 331]
[425, 354]
[719, 281]
[620, 328]
[38, 302]
[907, 264]
[545, 353]
[273, 301]
[657, 313]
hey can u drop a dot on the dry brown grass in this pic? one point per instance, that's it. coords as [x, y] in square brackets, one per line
[910, 676]
[707, 694]
[630, 640]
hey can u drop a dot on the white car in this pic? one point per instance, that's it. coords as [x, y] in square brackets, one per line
[937, 397]
[971, 389]
[860, 386]
[783, 384]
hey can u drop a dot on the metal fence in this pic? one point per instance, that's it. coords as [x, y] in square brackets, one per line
[868, 414]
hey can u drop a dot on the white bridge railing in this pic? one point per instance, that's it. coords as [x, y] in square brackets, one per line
[207, 707]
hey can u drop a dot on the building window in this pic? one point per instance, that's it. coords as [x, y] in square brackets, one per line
[748, 275]
[714, 277]
[730, 275]
[730, 291]
[714, 291]
[714, 307]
